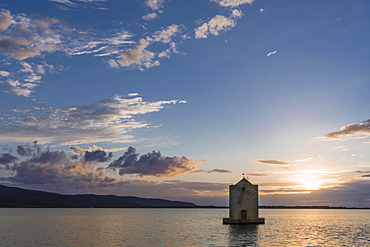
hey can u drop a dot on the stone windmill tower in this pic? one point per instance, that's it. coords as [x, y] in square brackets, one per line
[243, 204]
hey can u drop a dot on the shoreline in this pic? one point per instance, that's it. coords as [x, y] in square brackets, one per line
[211, 207]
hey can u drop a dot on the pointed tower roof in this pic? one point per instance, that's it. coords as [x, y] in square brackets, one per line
[244, 181]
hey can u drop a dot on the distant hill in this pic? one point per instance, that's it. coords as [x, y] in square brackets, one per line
[12, 197]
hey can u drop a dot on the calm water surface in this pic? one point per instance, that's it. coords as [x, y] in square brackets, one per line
[181, 227]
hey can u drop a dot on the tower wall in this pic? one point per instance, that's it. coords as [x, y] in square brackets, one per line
[243, 196]
[243, 204]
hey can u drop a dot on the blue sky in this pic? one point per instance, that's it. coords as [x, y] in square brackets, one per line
[277, 90]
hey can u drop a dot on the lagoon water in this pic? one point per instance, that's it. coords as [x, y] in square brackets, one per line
[181, 227]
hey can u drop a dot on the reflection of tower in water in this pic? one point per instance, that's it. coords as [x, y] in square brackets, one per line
[243, 235]
[243, 204]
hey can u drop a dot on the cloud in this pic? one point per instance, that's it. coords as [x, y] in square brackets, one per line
[45, 22]
[6, 159]
[25, 150]
[140, 57]
[24, 37]
[17, 48]
[154, 4]
[106, 120]
[363, 171]
[98, 46]
[273, 162]
[356, 130]
[165, 35]
[304, 160]
[212, 171]
[152, 164]
[16, 90]
[219, 171]
[258, 174]
[28, 36]
[113, 64]
[236, 13]
[5, 20]
[4, 73]
[150, 16]
[232, 3]
[31, 75]
[77, 3]
[271, 53]
[214, 26]
[98, 156]
[66, 2]
[351, 194]
[128, 158]
[36, 36]
[56, 169]
[82, 152]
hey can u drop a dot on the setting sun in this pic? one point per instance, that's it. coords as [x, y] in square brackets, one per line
[309, 179]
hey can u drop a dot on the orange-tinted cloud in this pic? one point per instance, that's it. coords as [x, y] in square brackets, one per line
[273, 162]
[356, 130]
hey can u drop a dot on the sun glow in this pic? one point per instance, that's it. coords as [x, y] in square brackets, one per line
[309, 179]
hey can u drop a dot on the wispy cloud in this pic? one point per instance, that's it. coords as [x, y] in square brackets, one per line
[23, 37]
[156, 6]
[71, 4]
[27, 37]
[150, 16]
[273, 162]
[304, 160]
[363, 171]
[106, 46]
[66, 2]
[141, 57]
[271, 53]
[214, 26]
[212, 171]
[23, 81]
[232, 3]
[340, 195]
[259, 174]
[351, 131]
[106, 120]
[367, 173]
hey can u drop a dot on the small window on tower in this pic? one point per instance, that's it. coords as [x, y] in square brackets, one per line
[243, 189]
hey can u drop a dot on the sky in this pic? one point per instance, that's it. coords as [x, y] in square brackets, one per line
[177, 99]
